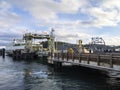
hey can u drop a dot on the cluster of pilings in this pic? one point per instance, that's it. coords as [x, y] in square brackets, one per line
[18, 54]
[57, 65]
[2, 52]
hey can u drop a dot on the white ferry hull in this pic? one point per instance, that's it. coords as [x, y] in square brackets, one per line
[10, 49]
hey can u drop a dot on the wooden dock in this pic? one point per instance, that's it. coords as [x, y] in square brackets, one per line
[107, 62]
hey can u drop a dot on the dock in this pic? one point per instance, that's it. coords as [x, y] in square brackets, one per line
[106, 62]
[97, 56]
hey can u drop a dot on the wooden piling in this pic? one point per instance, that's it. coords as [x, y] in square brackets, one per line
[62, 56]
[67, 56]
[3, 53]
[98, 60]
[88, 59]
[111, 61]
[58, 56]
[73, 57]
[79, 58]
[57, 65]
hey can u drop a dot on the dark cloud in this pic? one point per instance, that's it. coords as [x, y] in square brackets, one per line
[6, 38]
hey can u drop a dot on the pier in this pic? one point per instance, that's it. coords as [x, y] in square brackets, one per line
[94, 56]
[105, 62]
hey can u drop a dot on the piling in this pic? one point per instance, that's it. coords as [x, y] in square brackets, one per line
[57, 65]
[3, 53]
[88, 61]
[58, 56]
[73, 57]
[98, 60]
[62, 56]
[111, 61]
[67, 56]
[79, 58]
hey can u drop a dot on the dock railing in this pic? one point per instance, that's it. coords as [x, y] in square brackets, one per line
[106, 60]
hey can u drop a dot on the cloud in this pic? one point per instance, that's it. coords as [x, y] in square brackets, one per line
[107, 13]
[8, 21]
[4, 5]
[71, 35]
[113, 6]
[113, 40]
[7, 36]
[39, 9]
[71, 6]
[48, 9]
[8, 18]
[45, 13]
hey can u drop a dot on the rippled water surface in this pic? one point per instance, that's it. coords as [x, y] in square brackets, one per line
[34, 75]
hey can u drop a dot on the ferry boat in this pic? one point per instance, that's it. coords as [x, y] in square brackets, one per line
[17, 44]
[20, 45]
[32, 43]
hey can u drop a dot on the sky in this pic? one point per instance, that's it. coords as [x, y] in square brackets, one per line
[71, 19]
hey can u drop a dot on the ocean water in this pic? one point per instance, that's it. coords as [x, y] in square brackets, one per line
[35, 75]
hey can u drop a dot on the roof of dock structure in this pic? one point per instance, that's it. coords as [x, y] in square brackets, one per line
[37, 36]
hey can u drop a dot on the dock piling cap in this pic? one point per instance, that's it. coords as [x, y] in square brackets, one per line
[71, 50]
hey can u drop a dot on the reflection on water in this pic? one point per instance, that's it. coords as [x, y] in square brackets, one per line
[23, 75]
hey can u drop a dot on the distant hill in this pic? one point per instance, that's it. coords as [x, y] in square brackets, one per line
[65, 46]
[61, 45]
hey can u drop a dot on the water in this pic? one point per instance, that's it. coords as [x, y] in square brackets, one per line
[24, 75]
